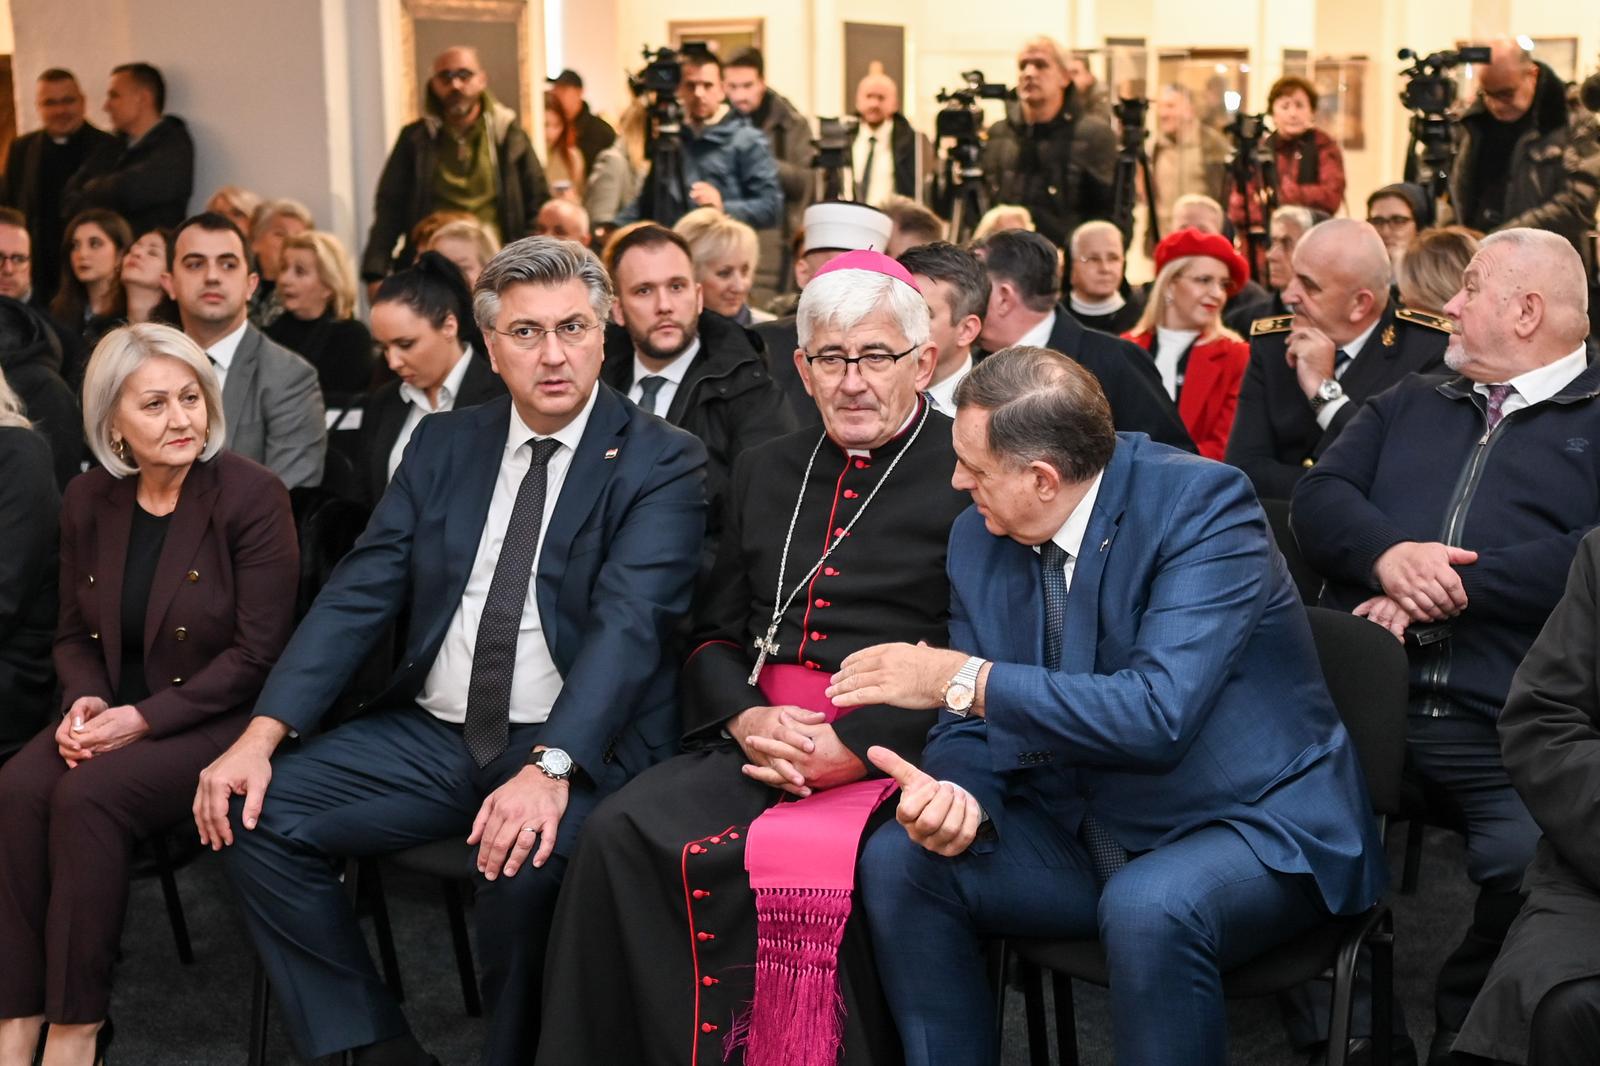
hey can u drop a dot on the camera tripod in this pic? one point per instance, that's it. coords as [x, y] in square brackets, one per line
[1253, 174]
[665, 191]
[964, 189]
[1133, 165]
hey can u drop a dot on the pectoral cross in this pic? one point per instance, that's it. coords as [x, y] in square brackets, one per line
[767, 645]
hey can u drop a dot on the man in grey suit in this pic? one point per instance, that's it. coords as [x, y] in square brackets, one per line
[269, 394]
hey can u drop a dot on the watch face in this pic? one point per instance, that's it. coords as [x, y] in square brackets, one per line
[958, 697]
[555, 761]
[1330, 391]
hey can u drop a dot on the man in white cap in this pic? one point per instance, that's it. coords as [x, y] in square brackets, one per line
[831, 229]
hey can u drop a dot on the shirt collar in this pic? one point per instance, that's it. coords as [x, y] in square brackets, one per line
[944, 392]
[673, 371]
[223, 351]
[1069, 538]
[1039, 335]
[449, 389]
[1353, 349]
[1541, 383]
[518, 433]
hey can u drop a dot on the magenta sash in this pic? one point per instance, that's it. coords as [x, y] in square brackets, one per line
[801, 857]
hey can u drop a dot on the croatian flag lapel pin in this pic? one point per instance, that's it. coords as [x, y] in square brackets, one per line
[611, 453]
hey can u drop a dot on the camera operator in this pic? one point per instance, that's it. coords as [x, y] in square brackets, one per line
[1310, 164]
[1050, 154]
[726, 161]
[888, 156]
[1521, 162]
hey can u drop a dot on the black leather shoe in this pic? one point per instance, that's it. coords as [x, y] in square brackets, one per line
[102, 1041]
[1359, 1052]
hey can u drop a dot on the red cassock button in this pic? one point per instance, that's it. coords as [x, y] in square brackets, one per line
[695, 849]
[861, 464]
[733, 836]
[708, 981]
[700, 893]
[830, 571]
[812, 666]
[707, 1027]
[851, 494]
[705, 936]
[838, 531]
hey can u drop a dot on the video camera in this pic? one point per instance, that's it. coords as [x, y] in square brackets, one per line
[835, 173]
[1130, 121]
[961, 117]
[1429, 89]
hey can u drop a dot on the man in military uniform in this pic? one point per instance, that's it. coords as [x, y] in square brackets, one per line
[1310, 370]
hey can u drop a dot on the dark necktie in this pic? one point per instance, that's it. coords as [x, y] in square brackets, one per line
[649, 386]
[1498, 394]
[1105, 854]
[1341, 359]
[494, 657]
[865, 185]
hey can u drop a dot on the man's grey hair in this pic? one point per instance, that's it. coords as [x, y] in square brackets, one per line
[540, 261]
[1296, 215]
[1098, 225]
[843, 299]
[1545, 263]
[12, 411]
[1042, 406]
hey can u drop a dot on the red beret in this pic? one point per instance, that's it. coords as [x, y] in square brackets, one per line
[1190, 242]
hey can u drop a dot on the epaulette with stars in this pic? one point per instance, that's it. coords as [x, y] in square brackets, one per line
[1277, 324]
[1424, 318]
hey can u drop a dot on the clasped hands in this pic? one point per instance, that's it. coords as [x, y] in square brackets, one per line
[1420, 584]
[92, 727]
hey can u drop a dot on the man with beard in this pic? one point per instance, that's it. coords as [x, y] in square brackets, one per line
[834, 539]
[672, 357]
[1449, 512]
[1344, 341]
[466, 153]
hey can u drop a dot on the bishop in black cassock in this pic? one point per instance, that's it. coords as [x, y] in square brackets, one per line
[651, 959]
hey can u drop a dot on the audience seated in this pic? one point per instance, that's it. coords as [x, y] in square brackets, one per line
[143, 264]
[759, 729]
[1201, 361]
[1024, 293]
[470, 245]
[274, 406]
[89, 301]
[31, 360]
[39, 165]
[519, 703]
[693, 367]
[1541, 1002]
[318, 292]
[29, 506]
[1429, 273]
[175, 558]
[1399, 212]
[423, 324]
[236, 204]
[1289, 223]
[957, 290]
[466, 153]
[1098, 293]
[1095, 736]
[146, 173]
[1202, 213]
[1344, 342]
[1000, 217]
[273, 222]
[913, 224]
[17, 283]
[726, 253]
[1450, 514]
[563, 220]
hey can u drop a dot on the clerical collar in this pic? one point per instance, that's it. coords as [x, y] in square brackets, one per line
[1109, 306]
[899, 434]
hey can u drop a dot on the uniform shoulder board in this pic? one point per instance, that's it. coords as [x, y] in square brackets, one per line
[1423, 318]
[1278, 324]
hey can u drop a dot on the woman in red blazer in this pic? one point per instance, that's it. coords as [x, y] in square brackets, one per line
[179, 563]
[1201, 361]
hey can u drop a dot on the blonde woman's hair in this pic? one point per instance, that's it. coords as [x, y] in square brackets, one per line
[1001, 217]
[632, 126]
[243, 200]
[115, 358]
[268, 210]
[11, 409]
[713, 236]
[1430, 272]
[1150, 318]
[334, 268]
[467, 229]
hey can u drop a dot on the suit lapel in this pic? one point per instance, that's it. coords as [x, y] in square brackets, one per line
[190, 520]
[112, 528]
[468, 498]
[586, 477]
[1373, 362]
[1020, 604]
[1080, 631]
[241, 379]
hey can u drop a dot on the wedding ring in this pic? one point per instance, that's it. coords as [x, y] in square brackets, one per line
[530, 829]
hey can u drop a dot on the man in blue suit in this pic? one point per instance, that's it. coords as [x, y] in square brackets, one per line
[543, 546]
[1170, 710]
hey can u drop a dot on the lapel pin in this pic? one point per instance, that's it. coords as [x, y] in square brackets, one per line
[1105, 544]
[611, 453]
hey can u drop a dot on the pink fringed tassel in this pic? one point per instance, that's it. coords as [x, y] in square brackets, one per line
[797, 1016]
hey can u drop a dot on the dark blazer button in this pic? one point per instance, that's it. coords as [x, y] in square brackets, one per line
[91, 579]
[180, 633]
[192, 576]
[94, 636]
[177, 681]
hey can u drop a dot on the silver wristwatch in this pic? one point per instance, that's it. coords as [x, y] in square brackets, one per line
[553, 763]
[1329, 391]
[961, 690]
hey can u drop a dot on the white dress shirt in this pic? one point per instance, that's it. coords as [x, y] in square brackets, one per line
[1069, 538]
[1539, 385]
[673, 372]
[1039, 336]
[1171, 344]
[880, 183]
[418, 407]
[943, 393]
[223, 351]
[1353, 349]
[535, 681]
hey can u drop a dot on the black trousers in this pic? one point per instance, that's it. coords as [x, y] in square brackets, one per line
[379, 784]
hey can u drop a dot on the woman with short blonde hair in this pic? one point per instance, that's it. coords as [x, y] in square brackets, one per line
[122, 353]
[725, 254]
[1430, 271]
[467, 243]
[317, 290]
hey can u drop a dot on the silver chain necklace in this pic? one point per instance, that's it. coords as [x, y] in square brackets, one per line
[768, 644]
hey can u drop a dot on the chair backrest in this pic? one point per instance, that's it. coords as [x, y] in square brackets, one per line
[1306, 580]
[328, 526]
[1366, 671]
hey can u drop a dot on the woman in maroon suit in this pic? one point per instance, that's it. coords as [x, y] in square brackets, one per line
[178, 568]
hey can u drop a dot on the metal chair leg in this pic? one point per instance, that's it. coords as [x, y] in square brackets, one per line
[260, 1003]
[462, 943]
[369, 885]
[1066, 1020]
[1381, 944]
[999, 959]
[169, 892]
[1033, 999]
[1413, 863]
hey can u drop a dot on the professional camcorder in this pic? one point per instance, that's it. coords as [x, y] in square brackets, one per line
[961, 117]
[1429, 94]
[1429, 88]
[835, 175]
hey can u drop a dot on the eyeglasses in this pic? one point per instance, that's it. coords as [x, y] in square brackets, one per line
[570, 334]
[16, 260]
[837, 366]
[447, 77]
[1390, 221]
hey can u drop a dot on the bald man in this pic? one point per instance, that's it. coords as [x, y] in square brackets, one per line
[466, 153]
[887, 156]
[1310, 370]
[563, 219]
[1523, 161]
[1448, 512]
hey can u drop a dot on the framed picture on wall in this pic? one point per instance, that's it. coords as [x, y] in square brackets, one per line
[498, 29]
[725, 38]
[1340, 82]
[868, 45]
[1127, 67]
[1560, 54]
[1218, 78]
